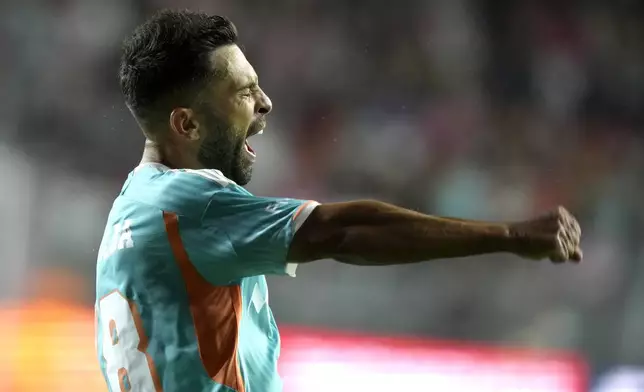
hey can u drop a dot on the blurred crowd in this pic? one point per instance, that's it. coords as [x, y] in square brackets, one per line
[489, 109]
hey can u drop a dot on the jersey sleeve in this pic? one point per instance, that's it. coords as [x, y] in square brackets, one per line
[249, 235]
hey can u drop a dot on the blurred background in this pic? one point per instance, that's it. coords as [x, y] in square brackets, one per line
[485, 109]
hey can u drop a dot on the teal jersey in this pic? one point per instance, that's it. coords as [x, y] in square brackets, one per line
[181, 297]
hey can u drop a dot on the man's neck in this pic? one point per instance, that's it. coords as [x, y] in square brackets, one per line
[167, 155]
[152, 153]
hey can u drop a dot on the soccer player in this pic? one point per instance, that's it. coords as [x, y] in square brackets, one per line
[182, 303]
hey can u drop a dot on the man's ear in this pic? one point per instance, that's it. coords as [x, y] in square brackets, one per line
[183, 122]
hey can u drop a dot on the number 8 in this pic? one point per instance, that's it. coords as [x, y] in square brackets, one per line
[128, 366]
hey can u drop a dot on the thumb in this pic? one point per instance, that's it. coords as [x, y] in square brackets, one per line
[577, 255]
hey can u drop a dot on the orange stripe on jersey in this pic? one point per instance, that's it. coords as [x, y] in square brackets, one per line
[301, 208]
[216, 314]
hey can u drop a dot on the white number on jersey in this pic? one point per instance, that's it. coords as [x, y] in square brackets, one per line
[127, 366]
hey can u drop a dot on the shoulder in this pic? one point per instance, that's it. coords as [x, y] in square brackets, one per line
[184, 191]
[209, 177]
[200, 183]
[212, 182]
[205, 186]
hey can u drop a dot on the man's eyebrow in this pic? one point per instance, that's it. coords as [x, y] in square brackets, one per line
[251, 82]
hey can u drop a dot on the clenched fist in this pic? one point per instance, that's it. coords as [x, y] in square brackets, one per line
[554, 236]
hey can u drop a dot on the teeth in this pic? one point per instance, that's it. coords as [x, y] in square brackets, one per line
[260, 132]
[246, 147]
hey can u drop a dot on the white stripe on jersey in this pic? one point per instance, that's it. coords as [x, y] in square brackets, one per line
[212, 175]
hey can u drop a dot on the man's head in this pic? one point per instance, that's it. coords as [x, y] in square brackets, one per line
[193, 92]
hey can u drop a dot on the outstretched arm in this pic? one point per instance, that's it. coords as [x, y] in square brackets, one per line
[376, 233]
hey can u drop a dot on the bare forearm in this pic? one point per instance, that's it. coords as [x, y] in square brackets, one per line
[375, 233]
[426, 239]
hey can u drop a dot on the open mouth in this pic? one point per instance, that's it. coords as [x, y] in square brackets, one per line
[247, 147]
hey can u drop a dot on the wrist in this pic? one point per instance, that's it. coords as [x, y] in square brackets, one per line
[497, 238]
[514, 242]
[507, 240]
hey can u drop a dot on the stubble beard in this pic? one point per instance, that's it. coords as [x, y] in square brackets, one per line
[222, 150]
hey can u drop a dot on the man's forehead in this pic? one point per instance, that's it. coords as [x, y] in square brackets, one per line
[230, 64]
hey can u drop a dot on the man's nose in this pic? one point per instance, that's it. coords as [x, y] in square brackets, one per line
[264, 104]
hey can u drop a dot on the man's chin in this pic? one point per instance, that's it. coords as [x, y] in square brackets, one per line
[243, 175]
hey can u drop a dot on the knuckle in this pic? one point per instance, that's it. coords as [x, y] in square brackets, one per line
[561, 216]
[558, 242]
[561, 228]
